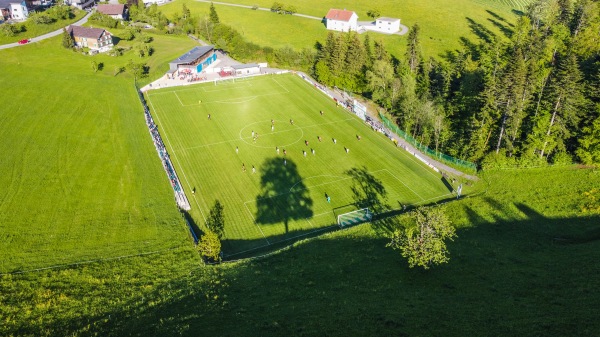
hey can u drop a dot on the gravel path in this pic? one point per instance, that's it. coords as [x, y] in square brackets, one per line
[47, 35]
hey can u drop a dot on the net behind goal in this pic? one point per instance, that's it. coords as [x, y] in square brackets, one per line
[354, 217]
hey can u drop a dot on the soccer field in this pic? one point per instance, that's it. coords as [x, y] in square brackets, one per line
[281, 195]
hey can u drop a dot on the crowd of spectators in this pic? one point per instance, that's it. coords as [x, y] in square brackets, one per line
[180, 197]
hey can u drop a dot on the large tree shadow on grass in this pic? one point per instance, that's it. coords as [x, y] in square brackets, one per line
[368, 191]
[283, 195]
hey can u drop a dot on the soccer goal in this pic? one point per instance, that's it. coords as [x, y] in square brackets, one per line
[354, 217]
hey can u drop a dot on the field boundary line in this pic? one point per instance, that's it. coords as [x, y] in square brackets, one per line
[254, 221]
[287, 91]
[56, 266]
[395, 177]
[176, 158]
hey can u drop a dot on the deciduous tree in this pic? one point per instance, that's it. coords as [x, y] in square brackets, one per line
[424, 242]
[210, 246]
[216, 219]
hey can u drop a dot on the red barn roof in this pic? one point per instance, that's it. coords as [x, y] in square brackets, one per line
[339, 15]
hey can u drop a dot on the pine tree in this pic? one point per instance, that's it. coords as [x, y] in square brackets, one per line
[379, 52]
[413, 51]
[185, 12]
[565, 98]
[67, 39]
[214, 17]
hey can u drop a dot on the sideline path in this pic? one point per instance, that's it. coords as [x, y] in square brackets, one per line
[47, 35]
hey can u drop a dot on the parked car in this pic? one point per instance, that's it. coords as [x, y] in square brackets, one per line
[24, 41]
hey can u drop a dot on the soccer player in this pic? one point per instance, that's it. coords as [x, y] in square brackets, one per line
[272, 122]
[284, 152]
[284, 161]
[291, 121]
[319, 138]
[304, 153]
[347, 149]
[358, 137]
[243, 167]
[253, 169]
[277, 149]
[321, 112]
[252, 133]
[306, 142]
[208, 116]
[313, 151]
[272, 128]
[334, 141]
[236, 150]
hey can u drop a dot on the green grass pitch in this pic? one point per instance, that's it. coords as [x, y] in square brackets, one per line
[285, 197]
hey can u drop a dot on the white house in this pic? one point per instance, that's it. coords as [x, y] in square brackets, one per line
[341, 20]
[246, 69]
[14, 9]
[81, 4]
[387, 25]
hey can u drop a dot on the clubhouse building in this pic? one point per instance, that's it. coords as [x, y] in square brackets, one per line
[194, 61]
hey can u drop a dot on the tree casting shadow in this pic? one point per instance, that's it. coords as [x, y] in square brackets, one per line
[283, 196]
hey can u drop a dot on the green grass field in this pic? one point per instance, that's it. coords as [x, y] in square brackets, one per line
[80, 178]
[33, 30]
[442, 23]
[281, 201]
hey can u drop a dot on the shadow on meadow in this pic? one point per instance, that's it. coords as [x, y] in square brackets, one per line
[277, 202]
[509, 276]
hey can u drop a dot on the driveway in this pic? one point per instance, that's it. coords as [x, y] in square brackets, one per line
[47, 35]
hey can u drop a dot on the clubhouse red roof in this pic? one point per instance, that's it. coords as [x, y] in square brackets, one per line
[339, 15]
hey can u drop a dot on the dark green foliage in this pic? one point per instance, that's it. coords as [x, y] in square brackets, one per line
[185, 11]
[8, 29]
[67, 39]
[42, 19]
[373, 13]
[413, 51]
[214, 17]
[216, 220]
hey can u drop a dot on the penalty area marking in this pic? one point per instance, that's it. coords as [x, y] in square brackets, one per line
[390, 173]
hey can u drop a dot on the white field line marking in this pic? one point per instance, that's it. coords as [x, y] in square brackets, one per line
[235, 139]
[393, 175]
[254, 220]
[241, 85]
[175, 92]
[250, 98]
[176, 159]
[322, 175]
[310, 223]
[284, 88]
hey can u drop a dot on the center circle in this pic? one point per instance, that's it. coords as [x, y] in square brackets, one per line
[260, 134]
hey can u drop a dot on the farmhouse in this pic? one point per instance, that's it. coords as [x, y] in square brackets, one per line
[194, 61]
[14, 9]
[387, 25]
[118, 12]
[93, 38]
[341, 20]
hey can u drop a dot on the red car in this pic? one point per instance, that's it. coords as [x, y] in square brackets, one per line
[24, 41]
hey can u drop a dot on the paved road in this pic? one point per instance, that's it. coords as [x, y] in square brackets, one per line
[47, 35]
[258, 8]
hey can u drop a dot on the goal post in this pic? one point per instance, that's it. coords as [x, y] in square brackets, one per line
[354, 217]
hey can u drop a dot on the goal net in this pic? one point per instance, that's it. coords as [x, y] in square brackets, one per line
[354, 217]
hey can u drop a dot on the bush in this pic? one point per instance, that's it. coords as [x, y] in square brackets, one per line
[9, 30]
[42, 19]
[103, 20]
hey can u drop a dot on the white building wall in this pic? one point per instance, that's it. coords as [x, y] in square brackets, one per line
[19, 11]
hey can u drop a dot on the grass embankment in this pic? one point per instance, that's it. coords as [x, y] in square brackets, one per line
[442, 24]
[508, 275]
[33, 30]
[80, 177]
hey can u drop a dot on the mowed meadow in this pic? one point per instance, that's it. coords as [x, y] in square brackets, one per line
[523, 264]
[444, 26]
[80, 177]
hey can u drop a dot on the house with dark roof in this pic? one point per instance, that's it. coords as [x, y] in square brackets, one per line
[14, 9]
[341, 20]
[194, 61]
[93, 38]
[115, 11]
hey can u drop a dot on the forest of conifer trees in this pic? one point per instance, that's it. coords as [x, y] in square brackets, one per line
[527, 98]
